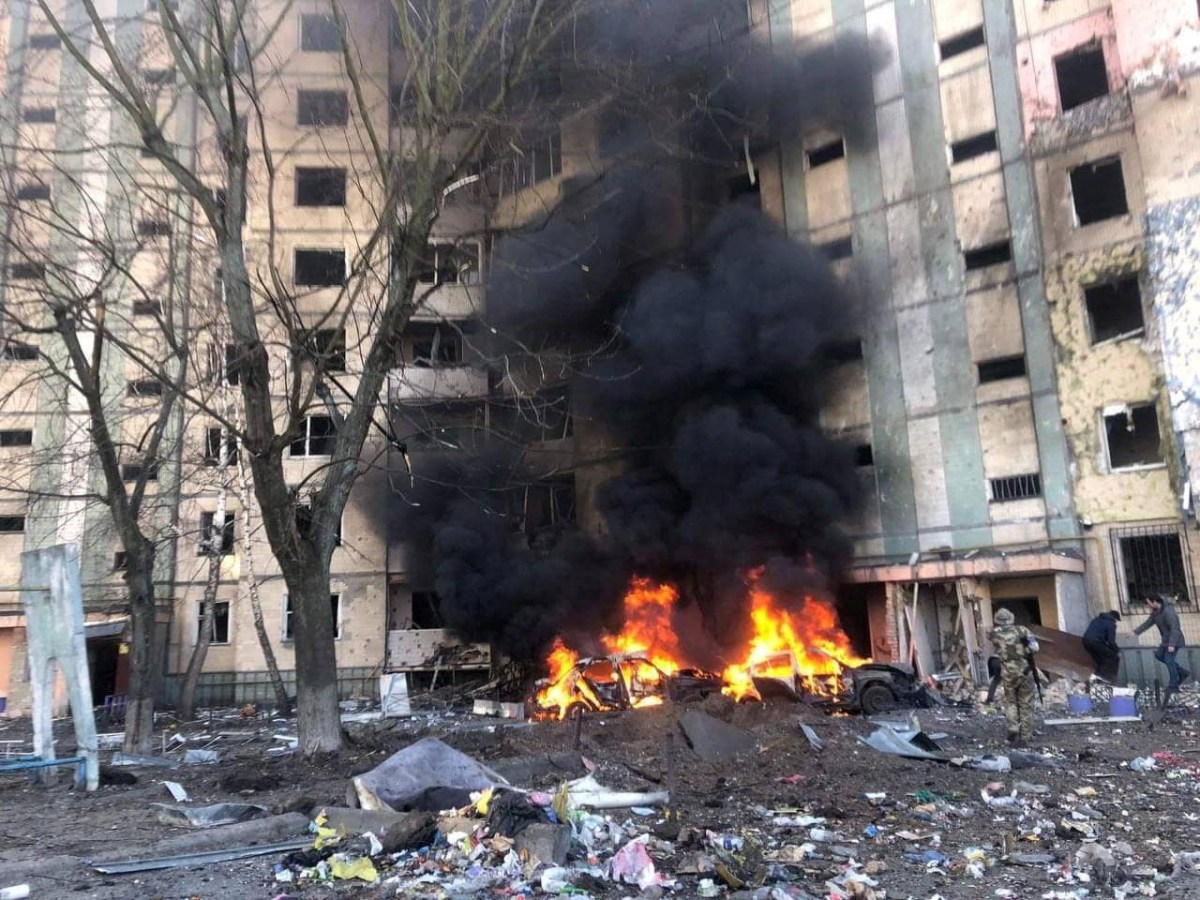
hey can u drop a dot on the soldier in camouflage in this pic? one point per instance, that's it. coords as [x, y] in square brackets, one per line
[1014, 645]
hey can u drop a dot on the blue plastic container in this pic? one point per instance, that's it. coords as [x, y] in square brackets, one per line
[1079, 704]
[1122, 706]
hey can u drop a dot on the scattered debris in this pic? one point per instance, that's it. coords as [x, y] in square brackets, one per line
[148, 864]
[209, 816]
[177, 791]
[711, 739]
[427, 775]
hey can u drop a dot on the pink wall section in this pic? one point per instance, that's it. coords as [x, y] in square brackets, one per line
[1143, 26]
[1036, 57]
[1035, 63]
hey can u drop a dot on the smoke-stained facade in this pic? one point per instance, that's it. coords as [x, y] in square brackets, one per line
[947, 374]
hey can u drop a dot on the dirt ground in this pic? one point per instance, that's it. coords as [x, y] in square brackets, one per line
[916, 842]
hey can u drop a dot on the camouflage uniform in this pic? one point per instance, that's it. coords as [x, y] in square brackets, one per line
[1012, 644]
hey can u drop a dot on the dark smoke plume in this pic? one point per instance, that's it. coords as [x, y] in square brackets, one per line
[710, 375]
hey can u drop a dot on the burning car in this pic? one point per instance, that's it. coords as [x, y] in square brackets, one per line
[619, 681]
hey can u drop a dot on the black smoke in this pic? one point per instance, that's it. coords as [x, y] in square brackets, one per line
[696, 376]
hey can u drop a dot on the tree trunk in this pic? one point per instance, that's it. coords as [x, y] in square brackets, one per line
[143, 650]
[191, 678]
[283, 703]
[319, 720]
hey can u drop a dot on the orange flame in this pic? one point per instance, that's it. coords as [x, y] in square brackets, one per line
[648, 631]
[800, 648]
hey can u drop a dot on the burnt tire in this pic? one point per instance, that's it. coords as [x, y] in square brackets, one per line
[876, 698]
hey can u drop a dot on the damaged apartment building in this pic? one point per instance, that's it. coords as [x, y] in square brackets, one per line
[1023, 221]
[1022, 217]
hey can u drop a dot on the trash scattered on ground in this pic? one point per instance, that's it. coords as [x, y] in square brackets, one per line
[427, 775]
[209, 816]
[177, 791]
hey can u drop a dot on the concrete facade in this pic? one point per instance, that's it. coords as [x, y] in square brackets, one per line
[991, 133]
[991, 371]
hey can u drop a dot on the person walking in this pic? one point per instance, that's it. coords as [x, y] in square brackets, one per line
[1014, 646]
[1100, 641]
[1164, 617]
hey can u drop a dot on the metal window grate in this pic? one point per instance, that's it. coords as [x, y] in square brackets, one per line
[1016, 487]
[1152, 559]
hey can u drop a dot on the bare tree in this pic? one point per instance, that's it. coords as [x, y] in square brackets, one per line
[421, 113]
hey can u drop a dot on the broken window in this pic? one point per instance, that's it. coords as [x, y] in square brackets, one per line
[233, 365]
[138, 471]
[224, 540]
[12, 524]
[320, 268]
[27, 271]
[1016, 487]
[319, 33]
[1001, 369]
[327, 346]
[145, 387]
[741, 186]
[120, 561]
[317, 437]
[1152, 560]
[304, 523]
[450, 264]
[538, 160]
[548, 505]
[989, 255]
[426, 610]
[39, 115]
[153, 227]
[961, 43]
[1114, 309]
[335, 609]
[843, 352]
[1082, 76]
[44, 41]
[159, 77]
[220, 447]
[34, 190]
[147, 307]
[445, 426]
[220, 621]
[322, 108]
[826, 153]
[842, 248]
[434, 345]
[18, 352]
[1132, 437]
[969, 148]
[16, 437]
[1098, 191]
[320, 187]
[864, 455]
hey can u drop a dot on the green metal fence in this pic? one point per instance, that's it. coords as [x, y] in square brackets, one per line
[240, 688]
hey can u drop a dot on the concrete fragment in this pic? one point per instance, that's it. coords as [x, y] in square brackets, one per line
[415, 830]
[525, 770]
[358, 821]
[546, 842]
[711, 739]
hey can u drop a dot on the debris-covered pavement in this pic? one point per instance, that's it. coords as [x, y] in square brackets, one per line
[712, 799]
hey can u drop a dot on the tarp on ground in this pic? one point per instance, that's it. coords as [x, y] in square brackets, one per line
[428, 775]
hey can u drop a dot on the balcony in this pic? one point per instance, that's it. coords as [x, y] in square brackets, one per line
[429, 384]
[449, 301]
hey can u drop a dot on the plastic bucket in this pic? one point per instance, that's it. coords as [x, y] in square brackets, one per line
[1079, 704]
[1122, 706]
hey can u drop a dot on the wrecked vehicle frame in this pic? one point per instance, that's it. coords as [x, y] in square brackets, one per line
[622, 681]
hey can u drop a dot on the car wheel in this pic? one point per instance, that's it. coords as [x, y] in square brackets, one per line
[876, 698]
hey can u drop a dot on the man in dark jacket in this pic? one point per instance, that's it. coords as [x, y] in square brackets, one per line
[1164, 617]
[1100, 641]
